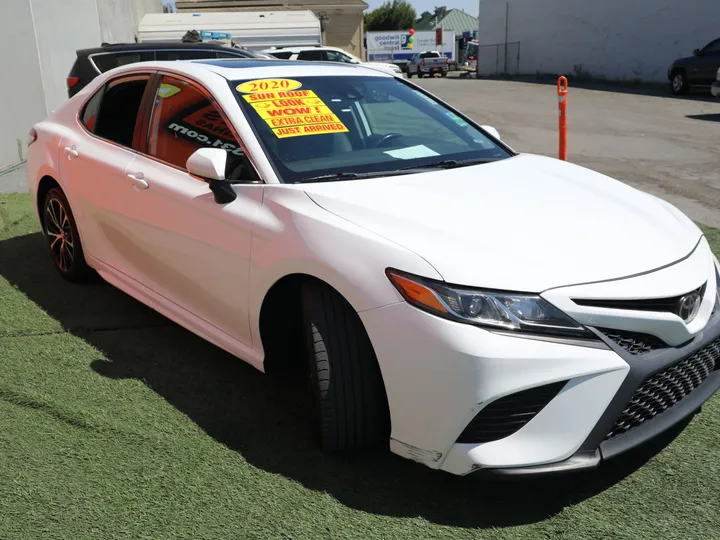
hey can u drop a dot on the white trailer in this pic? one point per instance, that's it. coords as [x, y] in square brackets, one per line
[396, 47]
[254, 30]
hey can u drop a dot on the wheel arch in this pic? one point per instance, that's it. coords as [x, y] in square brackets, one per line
[279, 320]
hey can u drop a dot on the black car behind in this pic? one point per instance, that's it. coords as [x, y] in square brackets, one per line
[92, 62]
[699, 70]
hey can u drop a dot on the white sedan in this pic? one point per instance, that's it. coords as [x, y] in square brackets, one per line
[473, 307]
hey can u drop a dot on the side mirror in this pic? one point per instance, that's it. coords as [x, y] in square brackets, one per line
[210, 163]
[492, 131]
[696, 52]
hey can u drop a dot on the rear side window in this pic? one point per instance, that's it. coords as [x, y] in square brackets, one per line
[90, 112]
[312, 56]
[184, 55]
[119, 108]
[108, 61]
[282, 55]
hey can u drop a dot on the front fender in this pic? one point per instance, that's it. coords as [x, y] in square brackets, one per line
[293, 235]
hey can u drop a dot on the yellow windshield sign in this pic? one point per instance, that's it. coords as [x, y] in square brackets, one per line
[295, 113]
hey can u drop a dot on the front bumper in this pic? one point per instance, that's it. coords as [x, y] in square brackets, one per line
[439, 375]
[715, 89]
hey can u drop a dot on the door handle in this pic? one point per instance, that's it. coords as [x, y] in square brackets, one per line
[71, 152]
[139, 180]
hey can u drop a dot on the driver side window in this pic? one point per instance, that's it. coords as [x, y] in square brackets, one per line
[185, 119]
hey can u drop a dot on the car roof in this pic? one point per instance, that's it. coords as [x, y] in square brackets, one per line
[252, 68]
[153, 45]
[255, 67]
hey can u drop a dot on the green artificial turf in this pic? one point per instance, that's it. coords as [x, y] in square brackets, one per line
[117, 423]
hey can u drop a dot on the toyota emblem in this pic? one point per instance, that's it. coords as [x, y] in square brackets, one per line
[688, 306]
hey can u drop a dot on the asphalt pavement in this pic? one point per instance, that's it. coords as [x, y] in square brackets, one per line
[668, 146]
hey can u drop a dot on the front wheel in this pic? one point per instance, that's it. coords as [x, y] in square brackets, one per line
[63, 239]
[350, 409]
[679, 83]
[409, 74]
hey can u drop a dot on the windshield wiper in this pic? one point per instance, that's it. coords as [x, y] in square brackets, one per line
[353, 175]
[450, 164]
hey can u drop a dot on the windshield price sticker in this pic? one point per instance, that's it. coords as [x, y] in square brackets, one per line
[295, 113]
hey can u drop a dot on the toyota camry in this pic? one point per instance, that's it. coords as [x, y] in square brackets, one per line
[470, 306]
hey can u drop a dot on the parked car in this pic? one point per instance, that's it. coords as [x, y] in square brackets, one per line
[473, 307]
[428, 63]
[329, 54]
[698, 70]
[715, 88]
[92, 62]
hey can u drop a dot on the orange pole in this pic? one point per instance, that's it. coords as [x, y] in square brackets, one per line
[562, 86]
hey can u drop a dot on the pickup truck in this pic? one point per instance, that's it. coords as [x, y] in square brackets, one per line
[428, 63]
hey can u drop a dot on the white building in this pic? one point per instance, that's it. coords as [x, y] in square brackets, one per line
[614, 39]
[37, 49]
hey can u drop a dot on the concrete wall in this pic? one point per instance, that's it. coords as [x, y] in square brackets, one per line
[119, 19]
[57, 43]
[37, 49]
[345, 30]
[617, 39]
[21, 93]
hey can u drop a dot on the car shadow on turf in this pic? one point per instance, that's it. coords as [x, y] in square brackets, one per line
[266, 420]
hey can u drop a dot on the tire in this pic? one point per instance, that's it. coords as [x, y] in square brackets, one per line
[409, 75]
[350, 409]
[678, 83]
[63, 239]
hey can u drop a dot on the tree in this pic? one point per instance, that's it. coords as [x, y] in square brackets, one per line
[392, 15]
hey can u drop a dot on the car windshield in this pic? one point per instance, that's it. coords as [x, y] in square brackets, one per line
[346, 127]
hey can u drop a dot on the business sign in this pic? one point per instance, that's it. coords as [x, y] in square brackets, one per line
[393, 46]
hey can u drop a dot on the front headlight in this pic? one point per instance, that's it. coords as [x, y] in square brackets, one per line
[495, 309]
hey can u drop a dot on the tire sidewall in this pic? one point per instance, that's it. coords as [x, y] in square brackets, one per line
[78, 269]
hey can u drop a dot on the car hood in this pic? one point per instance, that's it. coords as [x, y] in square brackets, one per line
[683, 61]
[527, 223]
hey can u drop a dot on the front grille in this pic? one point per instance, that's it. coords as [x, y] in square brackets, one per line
[634, 342]
[505, 416]
[670, 304]
[665, 389]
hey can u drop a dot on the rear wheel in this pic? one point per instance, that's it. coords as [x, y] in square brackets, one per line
[349, 403]
[62, 237]
[679, 83]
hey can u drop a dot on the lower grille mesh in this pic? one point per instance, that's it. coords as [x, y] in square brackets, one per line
[505, 416]
[665, 389]
[634, 342]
